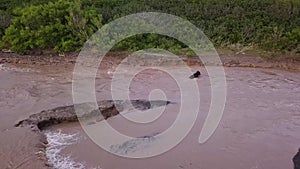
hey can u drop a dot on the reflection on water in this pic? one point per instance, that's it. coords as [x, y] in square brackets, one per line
[259, 129]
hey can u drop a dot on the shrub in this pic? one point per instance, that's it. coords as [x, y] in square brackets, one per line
[65, 25]
[62, 26]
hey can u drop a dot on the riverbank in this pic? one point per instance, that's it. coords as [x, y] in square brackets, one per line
[239, 59]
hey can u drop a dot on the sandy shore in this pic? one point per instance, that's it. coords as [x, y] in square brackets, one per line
[112, 58]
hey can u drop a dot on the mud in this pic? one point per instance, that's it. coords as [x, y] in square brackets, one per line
[107, 108]
[228, 60]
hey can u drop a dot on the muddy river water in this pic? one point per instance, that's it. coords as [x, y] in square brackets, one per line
[260, 127]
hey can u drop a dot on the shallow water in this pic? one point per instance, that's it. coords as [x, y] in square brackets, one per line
[259, 128]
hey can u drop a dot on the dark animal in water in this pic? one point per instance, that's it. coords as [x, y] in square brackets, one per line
[296, 160]
[195, 75]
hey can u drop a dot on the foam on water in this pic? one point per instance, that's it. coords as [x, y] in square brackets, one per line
[6, 68]
[57, 142]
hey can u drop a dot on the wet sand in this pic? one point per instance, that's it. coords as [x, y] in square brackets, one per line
[259, 129]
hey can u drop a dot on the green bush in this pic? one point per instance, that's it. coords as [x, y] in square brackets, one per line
[65, 25]
[268, 24]
[62, 26]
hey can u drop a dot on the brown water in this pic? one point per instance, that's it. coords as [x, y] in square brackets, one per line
[259, 129]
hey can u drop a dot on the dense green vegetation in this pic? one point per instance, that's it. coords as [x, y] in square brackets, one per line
[61, 25]
[64, 25]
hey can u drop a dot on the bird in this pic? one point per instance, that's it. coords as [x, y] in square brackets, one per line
[195, 75]
[296, 160]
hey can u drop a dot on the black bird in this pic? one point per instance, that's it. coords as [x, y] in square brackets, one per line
[195, 75]
[296, 160]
